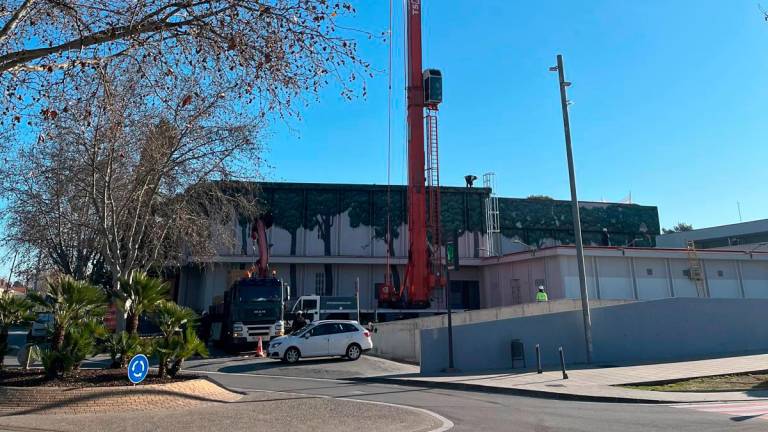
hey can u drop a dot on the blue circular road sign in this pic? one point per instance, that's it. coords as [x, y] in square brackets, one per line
[138, 368]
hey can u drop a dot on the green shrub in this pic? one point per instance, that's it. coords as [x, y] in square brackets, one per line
[56, 363]
[138, 295]
[80, 342]
[78, 311]
[121, 347]
[179, 340]
[182, 347]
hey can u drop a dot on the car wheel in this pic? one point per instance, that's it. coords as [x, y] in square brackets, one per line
[354, 352]
[291, 355]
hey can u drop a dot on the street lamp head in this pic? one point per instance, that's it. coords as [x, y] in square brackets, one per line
[553, 69]
[566, 83]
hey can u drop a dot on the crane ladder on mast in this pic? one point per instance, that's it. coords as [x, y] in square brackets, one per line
[433, 191]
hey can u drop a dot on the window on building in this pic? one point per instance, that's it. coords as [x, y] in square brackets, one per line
[687, 273]
[649, 272]
[320, 283]
[720, 273]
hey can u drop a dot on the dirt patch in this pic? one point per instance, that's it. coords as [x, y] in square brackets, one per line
[82, 378]
[721, 383]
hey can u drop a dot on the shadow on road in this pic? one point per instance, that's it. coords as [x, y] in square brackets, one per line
[273, 365]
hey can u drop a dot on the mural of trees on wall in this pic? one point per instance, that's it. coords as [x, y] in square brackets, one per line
[537, 222]
[397, 219]
[288, 210]
[322, 209]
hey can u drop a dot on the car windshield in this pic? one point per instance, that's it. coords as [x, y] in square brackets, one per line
[302, 330]
[249, 292]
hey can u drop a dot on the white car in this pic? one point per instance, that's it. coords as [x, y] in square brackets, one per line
[322, 339]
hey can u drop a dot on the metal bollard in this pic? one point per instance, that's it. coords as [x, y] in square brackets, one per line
[538, 359]
[562, 363]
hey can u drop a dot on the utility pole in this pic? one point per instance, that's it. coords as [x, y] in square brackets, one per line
[451, 264]
[575, 208]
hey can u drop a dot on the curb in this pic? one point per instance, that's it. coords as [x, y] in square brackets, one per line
[541, 394]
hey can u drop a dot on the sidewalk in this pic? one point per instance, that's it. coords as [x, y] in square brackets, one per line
[599, 384]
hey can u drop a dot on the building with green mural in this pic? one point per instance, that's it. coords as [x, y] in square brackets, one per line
[325, 237]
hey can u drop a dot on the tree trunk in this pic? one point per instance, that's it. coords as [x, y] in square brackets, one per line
[162, 367]
[133, 323]
[176, 367]
[58, 338]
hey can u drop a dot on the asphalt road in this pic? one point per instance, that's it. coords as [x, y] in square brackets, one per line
[473, 411]
[333, 368]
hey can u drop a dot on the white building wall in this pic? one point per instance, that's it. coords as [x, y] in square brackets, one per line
[614, 278]
[682, 284]
[722, 279]
[570, 274]
[652, 278]
[755, 278]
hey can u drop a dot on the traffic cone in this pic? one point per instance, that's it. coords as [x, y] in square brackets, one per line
[260, 349]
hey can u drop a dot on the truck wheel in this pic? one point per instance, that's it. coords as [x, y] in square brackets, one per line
[291, 355]
[354, 352]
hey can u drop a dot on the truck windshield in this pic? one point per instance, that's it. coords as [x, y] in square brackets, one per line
[255, 291]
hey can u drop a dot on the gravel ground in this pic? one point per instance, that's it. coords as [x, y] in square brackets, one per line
[258, 411]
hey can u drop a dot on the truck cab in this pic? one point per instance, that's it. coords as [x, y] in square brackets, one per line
[252, 308]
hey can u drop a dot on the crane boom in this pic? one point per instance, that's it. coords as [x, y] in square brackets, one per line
[259, 234]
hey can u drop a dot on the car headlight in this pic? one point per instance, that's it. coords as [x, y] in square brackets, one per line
[275, 344]
[237, 327]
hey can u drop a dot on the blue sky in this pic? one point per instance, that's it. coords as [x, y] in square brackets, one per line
[669, 103]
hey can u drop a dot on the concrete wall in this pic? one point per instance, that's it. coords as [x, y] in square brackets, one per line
[400, 340]
[658, 330]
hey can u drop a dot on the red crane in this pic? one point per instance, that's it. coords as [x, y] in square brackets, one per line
[424, 92]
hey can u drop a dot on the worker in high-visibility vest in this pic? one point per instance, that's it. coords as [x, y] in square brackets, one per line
[541, 296]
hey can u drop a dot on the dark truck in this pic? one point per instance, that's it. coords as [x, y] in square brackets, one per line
[253, 307]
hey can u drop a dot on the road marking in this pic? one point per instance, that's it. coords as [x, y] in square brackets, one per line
[445, 423]
[757, 409]
[271, 376]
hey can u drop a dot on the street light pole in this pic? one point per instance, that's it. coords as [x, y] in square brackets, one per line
[575, 208]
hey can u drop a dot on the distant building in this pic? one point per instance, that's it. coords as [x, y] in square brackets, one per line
[327, 236]
[739, 236]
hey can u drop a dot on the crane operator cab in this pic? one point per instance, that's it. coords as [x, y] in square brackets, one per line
[433, 87]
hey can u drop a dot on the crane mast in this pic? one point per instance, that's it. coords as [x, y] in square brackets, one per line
[424, 253]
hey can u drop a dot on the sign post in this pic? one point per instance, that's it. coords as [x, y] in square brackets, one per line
[138, 368]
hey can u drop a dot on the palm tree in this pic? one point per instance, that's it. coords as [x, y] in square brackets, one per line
[14, 311]
[169, 318]
[139, 295]
[70, 302]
